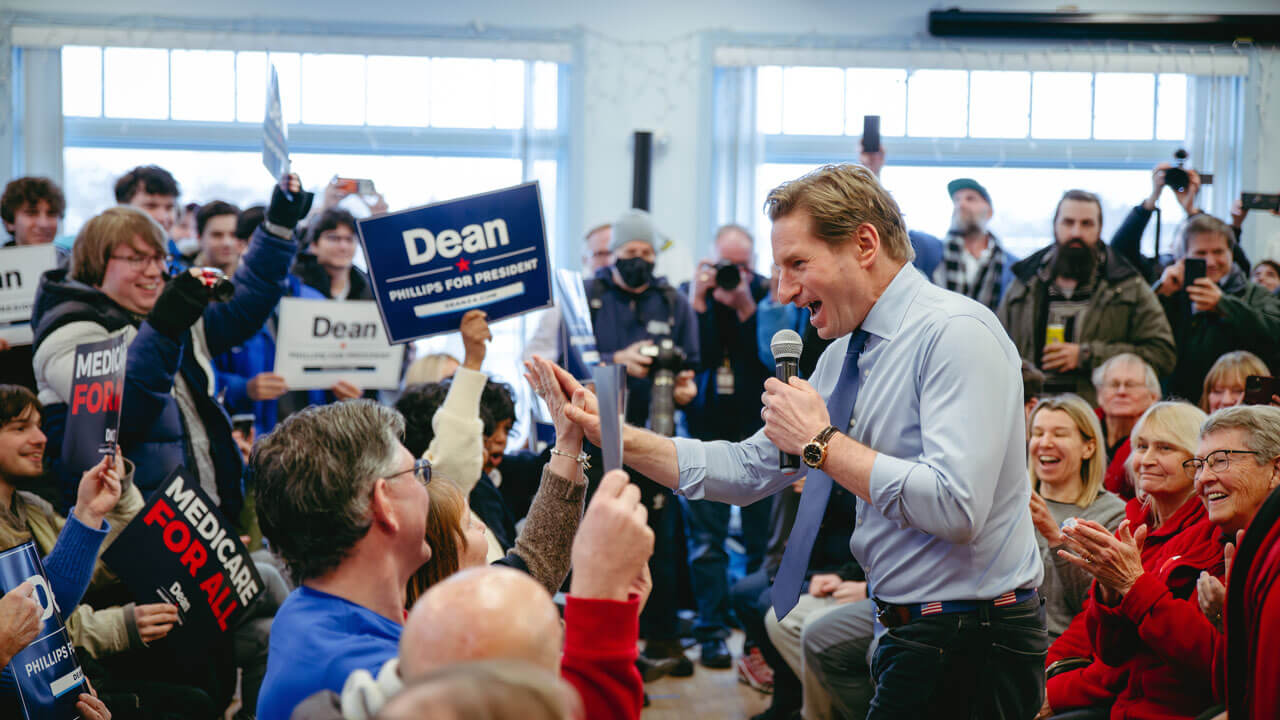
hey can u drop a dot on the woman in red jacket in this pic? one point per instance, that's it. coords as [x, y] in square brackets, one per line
[1172, 651]
[1175, 541]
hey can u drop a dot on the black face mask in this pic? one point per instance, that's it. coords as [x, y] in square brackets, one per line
[635, 271]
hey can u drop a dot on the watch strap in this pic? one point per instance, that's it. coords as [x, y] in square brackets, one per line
[825, 435]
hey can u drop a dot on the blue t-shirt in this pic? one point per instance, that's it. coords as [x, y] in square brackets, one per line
[317, 640]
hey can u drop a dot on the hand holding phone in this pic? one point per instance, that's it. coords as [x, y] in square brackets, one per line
[1259, 389]
[1192, 270]
[870, 133]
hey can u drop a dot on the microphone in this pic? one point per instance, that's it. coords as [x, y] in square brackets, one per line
[786, 346]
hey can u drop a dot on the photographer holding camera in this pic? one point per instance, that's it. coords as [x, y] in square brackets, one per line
[1212, 306]
[644, 323]
[724, 295]
[1185, 184]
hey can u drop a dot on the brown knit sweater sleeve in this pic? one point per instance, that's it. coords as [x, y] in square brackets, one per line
[545, 543]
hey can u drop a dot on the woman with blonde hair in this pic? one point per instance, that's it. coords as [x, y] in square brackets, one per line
[1067, 463]
[1224, 385]
[1167, 535]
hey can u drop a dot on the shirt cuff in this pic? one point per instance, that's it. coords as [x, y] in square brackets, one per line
[77, 532]
[886, 484]
[691, 458]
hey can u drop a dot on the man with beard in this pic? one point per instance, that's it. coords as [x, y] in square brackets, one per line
[973, 262]
[1076, 303]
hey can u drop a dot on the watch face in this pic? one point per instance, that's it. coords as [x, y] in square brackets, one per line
[812, 454]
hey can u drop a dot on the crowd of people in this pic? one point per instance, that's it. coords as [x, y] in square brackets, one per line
[960, 543]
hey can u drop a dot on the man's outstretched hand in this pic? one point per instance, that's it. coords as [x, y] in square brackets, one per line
[579, 403]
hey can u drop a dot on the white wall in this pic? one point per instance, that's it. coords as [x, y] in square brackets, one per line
[645, 67]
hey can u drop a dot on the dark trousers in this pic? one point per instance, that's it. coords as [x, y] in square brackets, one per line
[658, 621]
[984, 664]
[707, 529]
[750, 600]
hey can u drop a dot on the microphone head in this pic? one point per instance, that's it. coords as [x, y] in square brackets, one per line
[786, 344]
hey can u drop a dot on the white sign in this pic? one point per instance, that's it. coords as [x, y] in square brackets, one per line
[20, 271]
[319, 342]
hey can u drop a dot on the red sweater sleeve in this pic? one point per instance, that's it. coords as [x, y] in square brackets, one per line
[1093, 685]
[1174, 629]
[1074, 641]
[600, 656]
[1115, 636]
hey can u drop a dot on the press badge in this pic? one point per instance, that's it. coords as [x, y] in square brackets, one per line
[724, 380]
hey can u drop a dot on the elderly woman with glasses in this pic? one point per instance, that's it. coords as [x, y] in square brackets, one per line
[1150, 613]
[1238, 473]
[1160, 549]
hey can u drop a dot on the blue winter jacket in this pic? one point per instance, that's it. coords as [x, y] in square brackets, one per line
[152, 430]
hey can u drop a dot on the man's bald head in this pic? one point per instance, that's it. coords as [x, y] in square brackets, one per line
[482, 613]
[485, 690]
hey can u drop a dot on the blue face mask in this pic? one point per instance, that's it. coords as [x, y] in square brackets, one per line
[635, 271]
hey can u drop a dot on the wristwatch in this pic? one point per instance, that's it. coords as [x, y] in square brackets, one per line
[814, 453]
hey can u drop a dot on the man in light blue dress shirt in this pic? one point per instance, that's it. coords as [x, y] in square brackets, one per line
[935, 452]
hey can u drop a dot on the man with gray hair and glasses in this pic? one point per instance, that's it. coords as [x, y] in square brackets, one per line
[345, 505]
[1126, 387]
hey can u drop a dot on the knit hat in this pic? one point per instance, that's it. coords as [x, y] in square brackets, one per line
[635, 224]
[967, 184]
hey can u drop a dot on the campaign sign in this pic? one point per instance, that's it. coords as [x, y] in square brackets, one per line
[47, 673]
[320, 342]
[580, 353]
[93, 415]
[275, 145]
[181, 550]
[20, 271]
[432, 264]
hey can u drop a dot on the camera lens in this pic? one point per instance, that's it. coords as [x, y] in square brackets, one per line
[728, 276]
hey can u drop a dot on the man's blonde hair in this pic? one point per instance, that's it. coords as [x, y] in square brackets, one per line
[840, 199]
[104, 234]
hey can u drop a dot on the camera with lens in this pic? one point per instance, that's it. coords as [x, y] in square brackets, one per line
[728, 276]
[668, 361]
[1177, 178]
[216, 282]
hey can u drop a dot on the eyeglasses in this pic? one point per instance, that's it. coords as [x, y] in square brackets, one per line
[421, 469]
[1114, 385]
[1217, 461]
[139, 262]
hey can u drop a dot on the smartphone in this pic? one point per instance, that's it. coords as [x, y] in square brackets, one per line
[870, 133]
[354, 186]
[1260, 201]
[242, 422]
[1258, 389]
[1192, 270]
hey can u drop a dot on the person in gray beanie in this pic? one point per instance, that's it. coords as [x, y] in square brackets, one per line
[631, 309]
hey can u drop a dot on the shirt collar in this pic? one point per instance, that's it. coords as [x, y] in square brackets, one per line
[886, 315]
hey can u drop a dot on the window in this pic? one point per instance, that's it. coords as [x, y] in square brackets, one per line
[1027, 136]
[425, 129]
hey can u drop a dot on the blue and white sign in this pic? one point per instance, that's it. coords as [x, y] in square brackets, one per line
[48, 675]
[432, 264]
[275, 143]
